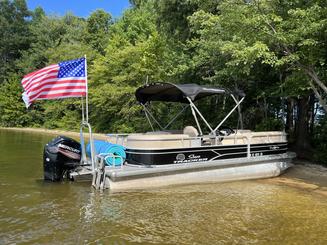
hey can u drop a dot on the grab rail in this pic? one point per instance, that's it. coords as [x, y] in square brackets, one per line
[151, 137]
[84, 158]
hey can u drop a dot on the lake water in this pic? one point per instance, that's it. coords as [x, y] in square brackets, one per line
[246, 212]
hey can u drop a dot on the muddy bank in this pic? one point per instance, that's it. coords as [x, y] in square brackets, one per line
[302, 174]
[305, 171]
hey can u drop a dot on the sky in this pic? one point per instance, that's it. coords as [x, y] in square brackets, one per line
[82, 8]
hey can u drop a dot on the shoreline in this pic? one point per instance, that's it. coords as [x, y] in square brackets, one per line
[54, 132]
[302, 175]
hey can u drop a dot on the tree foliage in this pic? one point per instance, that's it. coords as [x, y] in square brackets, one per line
[274, 50]
[14, 34]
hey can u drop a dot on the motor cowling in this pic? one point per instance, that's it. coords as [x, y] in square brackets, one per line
[60, 154]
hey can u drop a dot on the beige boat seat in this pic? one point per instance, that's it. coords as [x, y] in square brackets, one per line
[255, 137]
[191, 131]
[165, 132]
[161, 141]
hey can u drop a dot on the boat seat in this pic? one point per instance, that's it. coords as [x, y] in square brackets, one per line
[255, 137]
[164, 132]
[191, 131]
[159, 141]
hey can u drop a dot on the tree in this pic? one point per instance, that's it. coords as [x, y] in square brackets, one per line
[173, 15]
[13, 112]
[97, 30]
[133, 52]
[55, 39]
[289, 37]
[14, 34]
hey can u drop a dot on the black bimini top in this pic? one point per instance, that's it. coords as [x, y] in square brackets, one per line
[175, 92]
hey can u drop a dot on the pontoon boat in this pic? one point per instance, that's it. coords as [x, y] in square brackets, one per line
[190, 155]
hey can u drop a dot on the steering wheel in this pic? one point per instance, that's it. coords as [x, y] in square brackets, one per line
[225, 131]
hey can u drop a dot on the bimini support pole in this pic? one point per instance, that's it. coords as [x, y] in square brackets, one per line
[227, 116]
[149, 113]
[240, 118]
[147, 117]
[196, 120]
[196, 109]
[176, 116]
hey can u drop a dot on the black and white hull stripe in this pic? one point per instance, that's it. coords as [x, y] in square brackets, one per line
[201, 154]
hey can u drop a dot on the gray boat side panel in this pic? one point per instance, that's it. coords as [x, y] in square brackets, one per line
[130, 172]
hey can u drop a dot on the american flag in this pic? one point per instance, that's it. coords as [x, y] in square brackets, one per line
[62, 80]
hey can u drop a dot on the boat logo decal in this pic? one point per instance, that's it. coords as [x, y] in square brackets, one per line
[274, 147]
[180, 157]
[66, 147]
[192, 156]
[70, 154]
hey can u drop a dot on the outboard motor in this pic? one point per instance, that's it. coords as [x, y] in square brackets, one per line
[60, 154]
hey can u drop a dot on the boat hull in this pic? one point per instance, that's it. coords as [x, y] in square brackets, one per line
[136, 177]
[259, 171]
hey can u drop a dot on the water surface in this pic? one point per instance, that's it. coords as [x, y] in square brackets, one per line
[246, 212]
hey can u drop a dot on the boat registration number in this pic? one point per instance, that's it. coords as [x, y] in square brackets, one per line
[256, 154]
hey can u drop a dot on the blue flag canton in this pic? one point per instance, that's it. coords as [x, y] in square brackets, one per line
[72, 68]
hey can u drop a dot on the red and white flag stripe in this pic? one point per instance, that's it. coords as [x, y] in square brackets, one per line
[46, 83]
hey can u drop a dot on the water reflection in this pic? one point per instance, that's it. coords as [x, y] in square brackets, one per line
[239, 212]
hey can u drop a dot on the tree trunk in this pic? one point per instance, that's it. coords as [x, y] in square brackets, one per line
[240, 117]
[312, 113]
[265, 107]
[289, 116]
[302, 140]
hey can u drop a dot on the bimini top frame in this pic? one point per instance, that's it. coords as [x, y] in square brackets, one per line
[183, 93]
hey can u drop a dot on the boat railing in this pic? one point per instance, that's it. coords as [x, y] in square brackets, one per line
[122, 138]
[118, 138]
[205, 140]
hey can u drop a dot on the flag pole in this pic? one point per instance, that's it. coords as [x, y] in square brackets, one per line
[83, 158]
[87, 92]
[83, 113]
[86, 123]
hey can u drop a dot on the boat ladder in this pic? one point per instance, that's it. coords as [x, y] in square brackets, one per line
[99, 173]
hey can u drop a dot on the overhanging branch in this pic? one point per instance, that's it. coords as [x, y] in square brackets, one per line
[321, 100]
